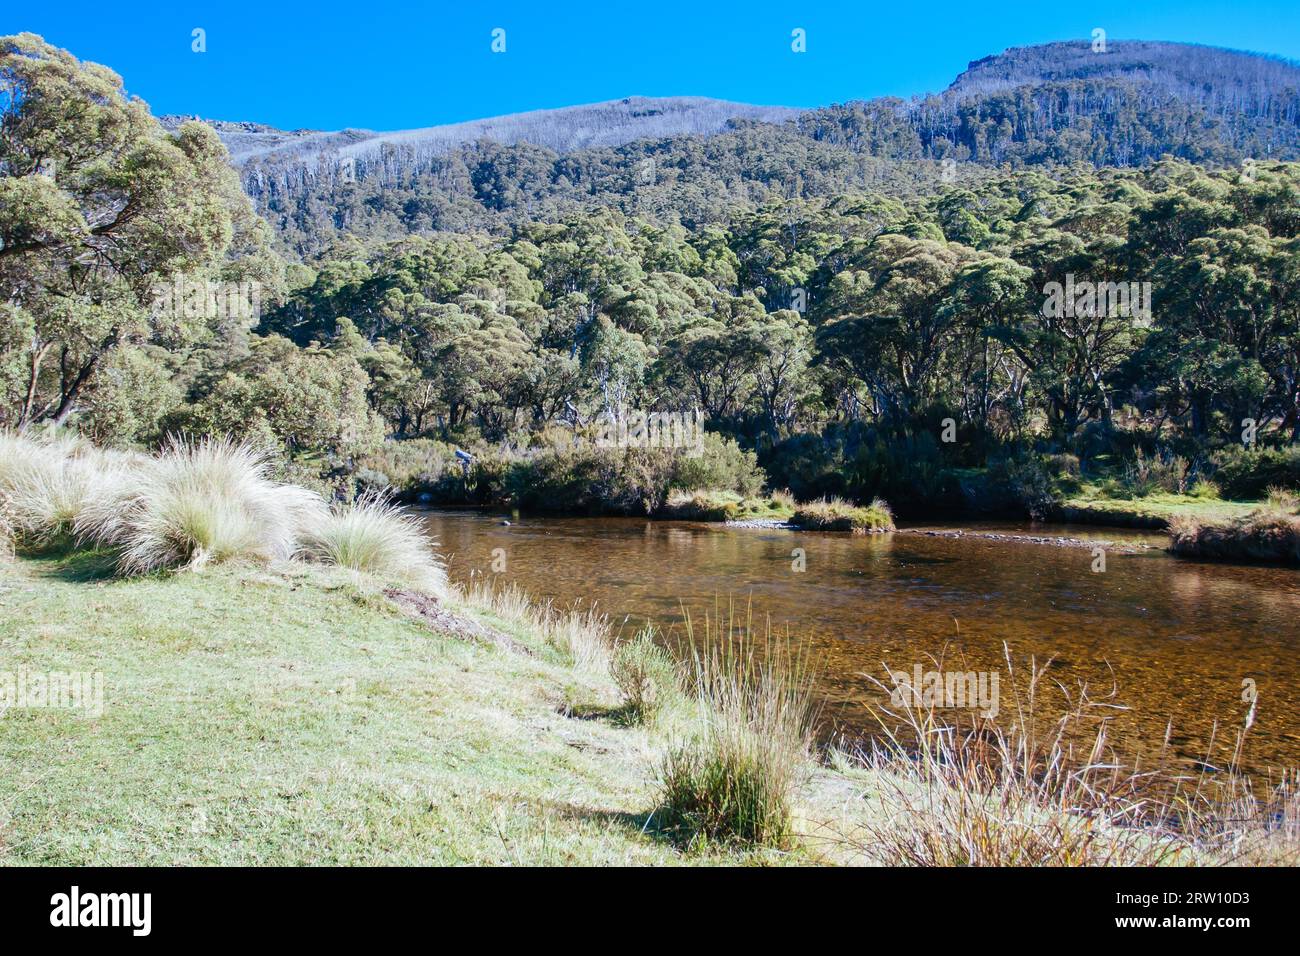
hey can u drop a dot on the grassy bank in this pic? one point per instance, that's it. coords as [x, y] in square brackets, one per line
[1269, 533]
[290, 714]
[1153, 511]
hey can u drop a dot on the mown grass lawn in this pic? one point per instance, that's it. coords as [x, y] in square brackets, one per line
[288, 716]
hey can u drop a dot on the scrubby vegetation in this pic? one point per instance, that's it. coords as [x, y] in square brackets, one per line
[1045, 786]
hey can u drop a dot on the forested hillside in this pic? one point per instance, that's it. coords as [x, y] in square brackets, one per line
[699, 161]
[885, 336]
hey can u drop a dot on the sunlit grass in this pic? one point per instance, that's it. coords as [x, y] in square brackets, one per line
[376, 537]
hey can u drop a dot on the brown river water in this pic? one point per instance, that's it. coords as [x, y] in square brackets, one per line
[1177, 638]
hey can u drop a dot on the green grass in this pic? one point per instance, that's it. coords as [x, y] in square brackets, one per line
[289, 716]
[726, 506]
[835, 514]
[1091, 506]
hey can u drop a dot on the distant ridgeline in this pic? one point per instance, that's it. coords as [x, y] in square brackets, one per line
[697, 160]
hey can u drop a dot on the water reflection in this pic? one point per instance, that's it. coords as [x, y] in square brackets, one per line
[1178, 637]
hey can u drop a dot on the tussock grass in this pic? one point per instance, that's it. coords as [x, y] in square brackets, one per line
[705, 505]
[957, 792]
[1282, 500]
[647, 677]
[194, 503]
[733, 780]
[48, 481]
[784, 499]
[376, 537]
[836, 514]
[199, 502]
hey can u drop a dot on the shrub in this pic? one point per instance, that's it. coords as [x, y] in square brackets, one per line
[1028, 484]
[1246, 473]
[836, 514]
[1163, 471]
[199, 502]
[646, 676]
[720, 465]
[1204, 488]
[734, 780]
[376, 537]
[411, 467]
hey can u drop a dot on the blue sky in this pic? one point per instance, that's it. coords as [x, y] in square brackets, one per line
[383, 65]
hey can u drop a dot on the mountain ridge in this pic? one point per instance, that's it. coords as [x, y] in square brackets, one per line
[624, 120]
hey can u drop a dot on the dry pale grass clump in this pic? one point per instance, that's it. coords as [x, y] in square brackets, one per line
[1018, 793]
[376, 537]
[784, 498]
[198, 502]
[48, 481]
[6, 539]
[734, 780]
[580, 635]
[836, 514]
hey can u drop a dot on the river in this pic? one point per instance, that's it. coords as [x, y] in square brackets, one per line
[1183, 641]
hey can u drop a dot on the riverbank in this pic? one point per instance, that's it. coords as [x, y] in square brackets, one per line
[1154, 512]
[290, 714]
[293, 715]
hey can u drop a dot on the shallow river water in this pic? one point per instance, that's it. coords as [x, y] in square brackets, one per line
[1181, 640]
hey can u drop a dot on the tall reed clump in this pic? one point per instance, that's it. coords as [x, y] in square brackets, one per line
[376, 537]
[734, 779]
[647, 677]
[199, 502]
[1026, 792]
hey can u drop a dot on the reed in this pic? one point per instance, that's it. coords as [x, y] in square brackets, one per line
[733, 779]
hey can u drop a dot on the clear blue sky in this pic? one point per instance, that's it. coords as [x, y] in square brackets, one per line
[384, 65]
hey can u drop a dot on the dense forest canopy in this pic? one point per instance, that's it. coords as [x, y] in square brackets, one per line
[827, 293]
